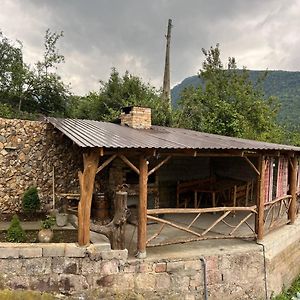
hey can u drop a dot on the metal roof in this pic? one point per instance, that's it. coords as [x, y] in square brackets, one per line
[89, 133]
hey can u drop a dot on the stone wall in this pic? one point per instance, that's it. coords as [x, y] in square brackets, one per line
[282, 249]
[29, 150]
[108, 274]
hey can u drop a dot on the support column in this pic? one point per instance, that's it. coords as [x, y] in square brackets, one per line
[142, 211]
[260, 199]
[293, 189]
[86, 181]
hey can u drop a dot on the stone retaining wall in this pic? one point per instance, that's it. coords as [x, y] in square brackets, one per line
[28, 152]
[101, 273]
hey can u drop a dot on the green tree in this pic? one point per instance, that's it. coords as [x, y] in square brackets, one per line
[37, 89]
[15, 232]
[229, 103]
[120, 91]
[50, 93]
[12, 71]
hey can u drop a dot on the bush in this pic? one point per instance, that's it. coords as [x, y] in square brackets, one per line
[31, 200]
[48, 223]
[15, 232]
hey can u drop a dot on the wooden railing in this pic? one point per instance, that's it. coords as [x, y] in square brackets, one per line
[276, 213]
[197, 234]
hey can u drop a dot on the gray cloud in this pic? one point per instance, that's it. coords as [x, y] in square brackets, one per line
[130, 35]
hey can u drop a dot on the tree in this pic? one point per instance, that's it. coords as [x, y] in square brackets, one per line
[46, 86]
[229, 103]
[12, 71]
[37, 89]
[120, 91]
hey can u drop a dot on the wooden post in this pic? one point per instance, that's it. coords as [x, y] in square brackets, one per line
[259, 222]
[166, 92]
[86, 181]
[142, 212]
[115, 230]
[293, 189]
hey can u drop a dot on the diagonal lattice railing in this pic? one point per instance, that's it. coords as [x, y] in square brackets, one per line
[208, 232]
[276, 213]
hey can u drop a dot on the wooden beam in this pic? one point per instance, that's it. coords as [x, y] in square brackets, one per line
[293, 189]
[260, 199]
[142, 209]
[106, 163]
[159, 165]
[157, 211]
[252, 165]
[86, 181]
[129, 163]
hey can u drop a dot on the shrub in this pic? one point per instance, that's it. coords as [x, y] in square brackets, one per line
[31, 200]
[15, 232]
[48, 223]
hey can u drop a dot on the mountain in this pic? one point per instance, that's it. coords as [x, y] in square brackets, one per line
[284, 85]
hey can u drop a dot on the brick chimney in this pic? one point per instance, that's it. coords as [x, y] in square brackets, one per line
[136, 117]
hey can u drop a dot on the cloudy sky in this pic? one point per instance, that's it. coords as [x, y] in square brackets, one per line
[129, 34]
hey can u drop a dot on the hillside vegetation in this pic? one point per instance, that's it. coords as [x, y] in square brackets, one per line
[284, 85]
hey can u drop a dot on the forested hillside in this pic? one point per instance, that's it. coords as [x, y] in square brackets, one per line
[282, 84]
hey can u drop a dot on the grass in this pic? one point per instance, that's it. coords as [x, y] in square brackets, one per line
[24, 295]
[291, 292]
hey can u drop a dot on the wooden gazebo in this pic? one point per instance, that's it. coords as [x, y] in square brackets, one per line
[135, 140]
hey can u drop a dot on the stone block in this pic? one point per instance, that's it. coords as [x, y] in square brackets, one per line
[145, 267]
[9, 252]
[31, 252]
[145, 282]
[10, 267]
[175, 266]
[89, 266]
[192, 265]
[163, 282]
[53, 250]
[160, 267]
[36, 266]
[101, 247]
[115, 254]
[129, 268]
[68, 283]
[57, 265]
[109, 267]
[179, 282]
[74, 250]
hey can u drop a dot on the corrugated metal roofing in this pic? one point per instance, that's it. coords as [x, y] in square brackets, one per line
[88, 133]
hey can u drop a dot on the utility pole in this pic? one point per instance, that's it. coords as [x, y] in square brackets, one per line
[166, 92]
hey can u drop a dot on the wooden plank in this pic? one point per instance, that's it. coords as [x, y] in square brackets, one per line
[129, 163]
[293, 189]
[260, 199]
[86, 181]
[142, 208]
[106, 163]
[252, 165]
[159, 165]
[194, 239]
[198, 210]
